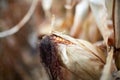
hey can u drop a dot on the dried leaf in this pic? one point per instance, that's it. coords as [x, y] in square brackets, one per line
[103, 21]
[90, 29]
[107, 71]
[81, 12]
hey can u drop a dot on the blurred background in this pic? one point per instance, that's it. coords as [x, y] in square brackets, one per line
[19, 53]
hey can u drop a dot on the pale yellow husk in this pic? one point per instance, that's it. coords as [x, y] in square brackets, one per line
[81, 58]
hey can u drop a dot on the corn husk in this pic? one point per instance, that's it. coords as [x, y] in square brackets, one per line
[108, 68]
[83, 60]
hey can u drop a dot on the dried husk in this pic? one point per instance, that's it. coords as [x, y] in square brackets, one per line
[90, 29]
[81, 58]
[109, 67]
[81, 11]
[103, 17]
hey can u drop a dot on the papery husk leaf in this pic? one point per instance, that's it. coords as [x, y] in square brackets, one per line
[107, 71]
[83, 43]
[103, 21]
[90, 29]
[81, 58]
[81, 11]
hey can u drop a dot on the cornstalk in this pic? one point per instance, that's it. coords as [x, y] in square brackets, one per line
[116, 21]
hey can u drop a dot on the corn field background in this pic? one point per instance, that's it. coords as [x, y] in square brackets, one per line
[59, 40]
